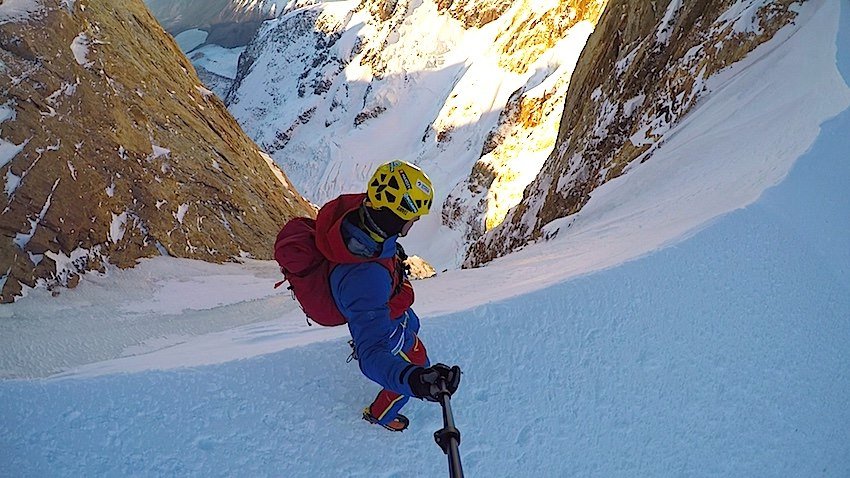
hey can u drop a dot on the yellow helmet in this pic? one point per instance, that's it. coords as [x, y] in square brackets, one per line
[401, 187]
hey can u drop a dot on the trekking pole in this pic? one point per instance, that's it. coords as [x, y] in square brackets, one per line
[448, 438]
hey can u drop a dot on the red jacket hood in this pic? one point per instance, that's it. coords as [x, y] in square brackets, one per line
[329, 229]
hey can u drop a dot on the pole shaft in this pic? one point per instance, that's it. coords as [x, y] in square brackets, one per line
[455, 468]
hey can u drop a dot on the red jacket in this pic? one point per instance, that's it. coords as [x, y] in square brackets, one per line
[330, 242]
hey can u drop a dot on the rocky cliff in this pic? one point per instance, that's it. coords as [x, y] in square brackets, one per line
[644, 68]
[112, 150]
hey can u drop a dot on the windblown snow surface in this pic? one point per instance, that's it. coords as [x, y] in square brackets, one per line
[634, 344]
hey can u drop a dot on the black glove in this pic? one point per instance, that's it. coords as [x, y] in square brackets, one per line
[400, 252]
[402, 259]
[426, 382]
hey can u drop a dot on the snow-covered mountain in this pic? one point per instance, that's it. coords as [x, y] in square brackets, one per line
[482, 95]
[112, 150]
[333, 90]
[214, 33]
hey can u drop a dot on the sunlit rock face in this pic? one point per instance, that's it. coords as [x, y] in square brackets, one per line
[471, 90]
[112, 151]
[644, 68]
[514, 151]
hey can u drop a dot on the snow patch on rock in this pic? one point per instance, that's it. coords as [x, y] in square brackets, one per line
[665, 28]
[8, 151]
[12, 183]
[80, 48]
[158, 152]
[181, 212]
[117, 227]
[278, 173]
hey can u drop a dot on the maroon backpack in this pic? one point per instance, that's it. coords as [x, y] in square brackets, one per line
[307, 271]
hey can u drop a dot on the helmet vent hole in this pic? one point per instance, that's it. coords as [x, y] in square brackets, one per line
[390, 196]
[393, 183]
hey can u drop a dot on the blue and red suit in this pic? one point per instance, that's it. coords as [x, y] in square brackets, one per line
[370, 289]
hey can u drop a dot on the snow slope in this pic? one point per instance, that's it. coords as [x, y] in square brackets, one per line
[723, 354]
